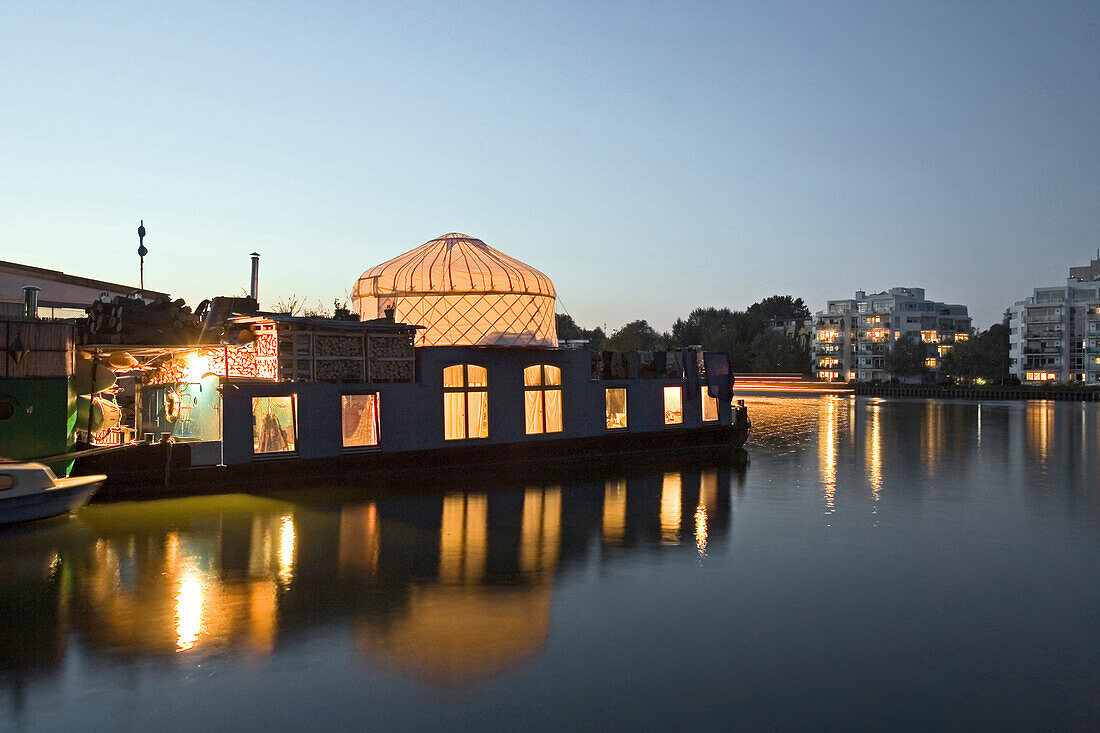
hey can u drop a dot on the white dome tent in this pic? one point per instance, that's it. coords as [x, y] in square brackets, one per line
[463, 292]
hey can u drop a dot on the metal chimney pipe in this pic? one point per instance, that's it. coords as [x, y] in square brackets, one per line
[255, 290]
[30, 301]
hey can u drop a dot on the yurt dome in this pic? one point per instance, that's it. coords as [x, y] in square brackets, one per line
[463, 292]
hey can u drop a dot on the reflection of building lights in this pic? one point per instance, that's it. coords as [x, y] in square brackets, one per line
[701, 529]
[614, 512]
[671, 509]
[286, 549]
[874, 459]
[540, 530]
[463, 538]
[827, 448]
[190, 604]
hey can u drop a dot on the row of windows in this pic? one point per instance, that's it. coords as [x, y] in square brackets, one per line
[465, 409]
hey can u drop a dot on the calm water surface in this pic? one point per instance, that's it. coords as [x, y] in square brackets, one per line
[911, 564]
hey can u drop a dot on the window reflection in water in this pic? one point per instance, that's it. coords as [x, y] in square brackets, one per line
[614, 512]
[541, 530]
[671, 509]
[462, 589]
[708, 497]
[360, 539]
[463, 538]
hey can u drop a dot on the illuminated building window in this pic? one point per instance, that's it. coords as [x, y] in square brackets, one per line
[930, 362]
[615, 404]
[829, 361]
[710, 406]
[542, 399]
[826, 335]
[273, 420]
[674, 405]
[929, 337]
[829, 375]
[943, 349]
[465, 402]
[897, 335]
[851, 376]
[1040, 376]
[877, 334]
[962, 337]
[359, 419]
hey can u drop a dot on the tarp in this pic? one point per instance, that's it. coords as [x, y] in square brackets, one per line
[719, 376]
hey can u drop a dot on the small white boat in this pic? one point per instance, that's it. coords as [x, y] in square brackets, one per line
[32, 491]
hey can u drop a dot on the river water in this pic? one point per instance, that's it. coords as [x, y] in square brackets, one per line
[908, 564]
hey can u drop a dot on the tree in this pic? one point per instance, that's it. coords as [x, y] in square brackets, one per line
[782, 307]
[907, 358]
[569, 330]
[773, 351]
[637, 336]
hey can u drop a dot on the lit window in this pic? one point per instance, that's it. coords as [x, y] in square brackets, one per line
[829, 375]
[465, 402]
[897, 335]
[542, 399]
[710, 406]
[943, 349]
[826, 335]
[929, 337]
[615, 403]
[273, 421]
[930, 362]
[359, 418]
[877, 334]
[674, 405]
[962, 337]
[851, 376]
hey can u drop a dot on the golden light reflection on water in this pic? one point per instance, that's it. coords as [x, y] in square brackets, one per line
[614, 512]
[287, 539]
[708, 497]
[1039, 419]
[873, 449]
[671, 509]
[463, 538]
[827, 450]
[360, 539]
[540, 530]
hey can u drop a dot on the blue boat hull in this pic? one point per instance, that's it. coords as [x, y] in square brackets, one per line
[49, 503]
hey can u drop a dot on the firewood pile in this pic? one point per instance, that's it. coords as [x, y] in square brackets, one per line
[133, 321]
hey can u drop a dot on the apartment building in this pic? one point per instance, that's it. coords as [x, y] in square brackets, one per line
[852, 337]
[1054, 335]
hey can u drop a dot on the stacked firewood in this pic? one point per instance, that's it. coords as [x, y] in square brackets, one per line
[133, 321]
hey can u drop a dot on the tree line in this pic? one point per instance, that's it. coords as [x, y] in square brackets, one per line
[754, 337]
[756, 341]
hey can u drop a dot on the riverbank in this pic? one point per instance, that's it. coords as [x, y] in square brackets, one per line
[991, 392]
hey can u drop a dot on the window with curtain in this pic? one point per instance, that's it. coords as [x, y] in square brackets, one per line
[359, 417]
[615, 404]
[273, 421]
[674, 405]
[465, 402]
[542, 399]
[710, 406]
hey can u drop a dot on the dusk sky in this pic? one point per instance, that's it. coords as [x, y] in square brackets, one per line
[649, 157]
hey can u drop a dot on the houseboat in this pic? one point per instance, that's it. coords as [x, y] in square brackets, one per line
[450, 358]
